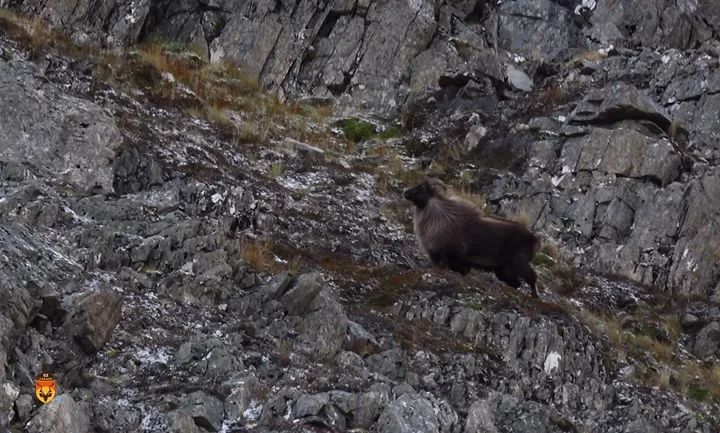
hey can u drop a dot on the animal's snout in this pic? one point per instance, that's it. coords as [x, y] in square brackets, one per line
[406, 194]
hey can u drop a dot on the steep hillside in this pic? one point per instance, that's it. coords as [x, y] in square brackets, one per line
[201, 225]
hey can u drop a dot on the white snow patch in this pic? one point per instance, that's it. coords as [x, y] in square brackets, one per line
[587, 5]
[11, 391]
[216, 197]
[73, 214]
[665, 59]
[606, 51]
[187, 268]
[552, 362]
[252, 413]
[148, 356]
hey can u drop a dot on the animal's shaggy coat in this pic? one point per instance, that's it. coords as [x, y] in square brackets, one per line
[455, 235]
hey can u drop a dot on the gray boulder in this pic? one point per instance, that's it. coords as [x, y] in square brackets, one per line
[707, 341]
[61, 415]
[299, 298]
[243, 391]
[205, 410]
[413, 413]
[93, 318]
[9, 393]
[70, 138]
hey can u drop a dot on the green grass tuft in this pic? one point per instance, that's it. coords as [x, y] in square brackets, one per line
[699, 394]
[543, 260]
[357, 130]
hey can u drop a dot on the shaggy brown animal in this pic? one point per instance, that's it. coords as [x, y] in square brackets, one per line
[455, 235]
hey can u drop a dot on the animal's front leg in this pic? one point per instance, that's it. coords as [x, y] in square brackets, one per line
[447, 263]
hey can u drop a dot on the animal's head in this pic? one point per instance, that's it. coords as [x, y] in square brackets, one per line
[420, 194]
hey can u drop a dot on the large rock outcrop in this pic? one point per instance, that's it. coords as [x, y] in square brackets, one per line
[378, 52]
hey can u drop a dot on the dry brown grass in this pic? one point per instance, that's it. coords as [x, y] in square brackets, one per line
[463, 193]
[553, 94]
[658, 362]
[276, 170]
[661, 351]
[172, 74]
[605, 327]
[258, 254]
[522, 216]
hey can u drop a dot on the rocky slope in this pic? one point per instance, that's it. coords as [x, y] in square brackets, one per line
[177, 279]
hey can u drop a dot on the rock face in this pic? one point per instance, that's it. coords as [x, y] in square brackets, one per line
[71, 138]
[133, 262]
[377, 52]
[626, 195]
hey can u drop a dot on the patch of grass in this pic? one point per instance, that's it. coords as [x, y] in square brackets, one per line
[257, 133]
[660, 350]
[171, 46]
[543, 260]
[258, 255]
[176, 75]
[357, 130]
[276, 170]
[218, 115]
[391, 132]
[602, 326]
[522, 216]
[699, 394]
[416, 148]
[477, 200]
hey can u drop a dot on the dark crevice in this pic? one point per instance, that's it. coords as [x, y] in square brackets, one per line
[329, 24]
[478, 14]
[646, 178]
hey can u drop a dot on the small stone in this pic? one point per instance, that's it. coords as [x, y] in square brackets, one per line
[359, 340]
[519, 79]
[473, 137]
[689, 320]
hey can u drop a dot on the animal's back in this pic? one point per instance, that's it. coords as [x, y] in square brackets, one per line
[442, 225]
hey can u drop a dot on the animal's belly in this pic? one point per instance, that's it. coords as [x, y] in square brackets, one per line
[486, 262]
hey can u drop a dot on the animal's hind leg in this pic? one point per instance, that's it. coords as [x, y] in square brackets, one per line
[457, 265]
[526, 272]
[507, 275]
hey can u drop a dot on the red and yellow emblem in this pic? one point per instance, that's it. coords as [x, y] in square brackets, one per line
[45, 389]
